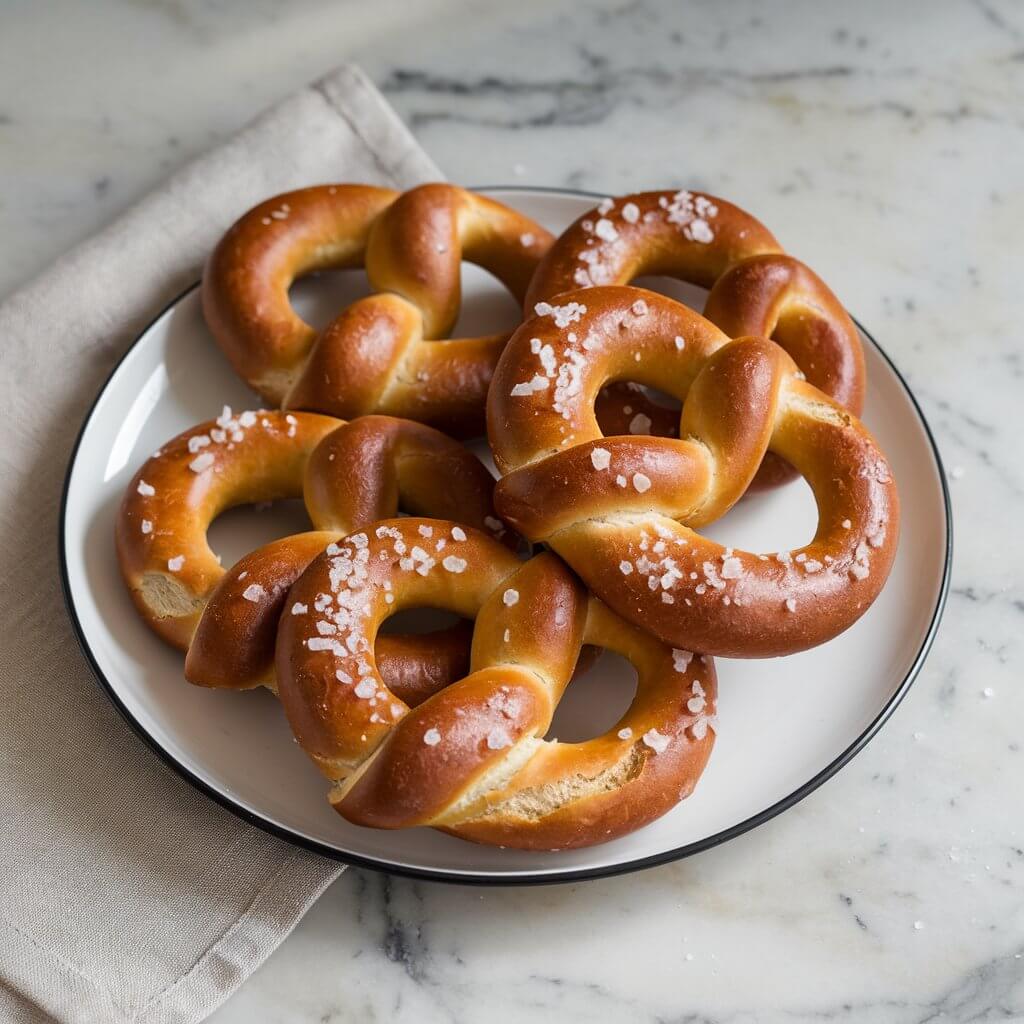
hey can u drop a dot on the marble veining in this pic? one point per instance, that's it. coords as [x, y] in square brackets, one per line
[884, 144]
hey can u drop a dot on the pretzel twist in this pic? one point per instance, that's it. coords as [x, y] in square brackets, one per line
[622, 510]
[472, 759]
[756, 289]
[382, 353]
[349, 475]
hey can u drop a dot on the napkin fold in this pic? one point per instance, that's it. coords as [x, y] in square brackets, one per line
[125, 895]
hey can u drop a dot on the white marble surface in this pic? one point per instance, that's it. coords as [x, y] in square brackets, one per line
[884, 143]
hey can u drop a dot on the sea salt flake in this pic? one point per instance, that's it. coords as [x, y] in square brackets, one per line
[498, 738]
[681, 659]
[640, 424]
[656, 741]
[732, 568]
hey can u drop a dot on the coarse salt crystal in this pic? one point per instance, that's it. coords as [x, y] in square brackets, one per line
[620, 480]
[253, 592]
[605, 230]
[498, 738]
[453, 564]
[299, 608]
[625, 733]
[641, 482]
[656, 741]
[631, 213]
[790, 605]
[625, 567]
[146, 490]
[432, 737]
[681, 659]
[197, 442]
[175, 564]
[510, 597]
[146, 526]
[732, 568]
[201, 462]
[365, 688]
[458, 533]
[600, 457]
[527, 238]
[640, 424]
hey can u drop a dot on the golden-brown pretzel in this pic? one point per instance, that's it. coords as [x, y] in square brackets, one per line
[381, 354]
[349, 474]
[621, 510]
[472, 759]
[755, 289]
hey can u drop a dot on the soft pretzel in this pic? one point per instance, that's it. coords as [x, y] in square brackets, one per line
[755, 289]
[472, 759]
[349, 474]
[382, 353]
[622, 511]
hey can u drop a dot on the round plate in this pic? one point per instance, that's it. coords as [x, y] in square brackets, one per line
[237, 748]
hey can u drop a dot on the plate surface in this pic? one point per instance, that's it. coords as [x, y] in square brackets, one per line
[237, 747]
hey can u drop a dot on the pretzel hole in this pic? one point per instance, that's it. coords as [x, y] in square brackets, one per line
[768, 521]
[594, 699]
[487, 306]
[419, 620]
[320, 296]
[245, 528]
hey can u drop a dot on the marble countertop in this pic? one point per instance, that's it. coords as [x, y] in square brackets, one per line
[884, 143]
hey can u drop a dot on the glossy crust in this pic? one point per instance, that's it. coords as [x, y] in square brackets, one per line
[349, 474]
[472, 759]
[384, 353]
[756, 289]
[622, 511]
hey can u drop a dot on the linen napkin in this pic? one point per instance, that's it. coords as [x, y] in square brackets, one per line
[124, 894]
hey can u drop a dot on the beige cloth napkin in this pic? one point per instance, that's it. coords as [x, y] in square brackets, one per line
[124, 894]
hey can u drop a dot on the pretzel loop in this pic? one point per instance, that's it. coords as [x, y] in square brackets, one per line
[349, 475]
[755, 289]
[621, 510]
[472, 759]
[385, 353]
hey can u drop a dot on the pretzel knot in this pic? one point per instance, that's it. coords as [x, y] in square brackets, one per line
[755, 289]
[349, 475]
[472, 759]
[381, 354]
[622, 510]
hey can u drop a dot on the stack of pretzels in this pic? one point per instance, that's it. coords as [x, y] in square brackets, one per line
[590, 538]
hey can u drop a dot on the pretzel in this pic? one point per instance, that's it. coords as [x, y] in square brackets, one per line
[381, 353]
[755, 289]
[622, 511]
[349, 475]
[472, 759]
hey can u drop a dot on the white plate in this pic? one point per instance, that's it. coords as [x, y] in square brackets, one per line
[237, 748]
